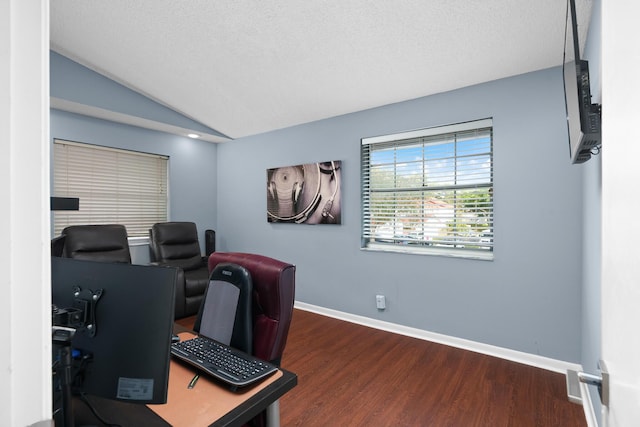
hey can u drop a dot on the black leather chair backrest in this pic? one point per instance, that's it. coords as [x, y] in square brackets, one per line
[106, 243]
[226, 276]
[57, 245]
[175, 244]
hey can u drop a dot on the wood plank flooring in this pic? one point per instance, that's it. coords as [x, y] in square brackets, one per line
[352, 375]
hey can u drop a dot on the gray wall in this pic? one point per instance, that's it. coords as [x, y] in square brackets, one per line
[192, 165]
[527, 299]
[592, 182]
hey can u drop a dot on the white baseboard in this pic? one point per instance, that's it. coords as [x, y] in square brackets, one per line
[587, 405]
[490, 350]
[578, 392]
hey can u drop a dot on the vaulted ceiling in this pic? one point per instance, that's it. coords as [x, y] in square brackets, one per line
[244, 67]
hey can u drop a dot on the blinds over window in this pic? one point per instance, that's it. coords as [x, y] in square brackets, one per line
[114, 186]
[429, 189]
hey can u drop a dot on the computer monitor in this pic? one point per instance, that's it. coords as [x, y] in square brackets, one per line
[123, 318]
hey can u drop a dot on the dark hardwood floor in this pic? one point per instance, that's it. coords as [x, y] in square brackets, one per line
[352, 375]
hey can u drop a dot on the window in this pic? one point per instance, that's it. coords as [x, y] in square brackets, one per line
[114, 186]
[430, 191]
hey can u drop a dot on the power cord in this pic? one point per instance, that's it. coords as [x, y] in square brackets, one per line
[83, 398]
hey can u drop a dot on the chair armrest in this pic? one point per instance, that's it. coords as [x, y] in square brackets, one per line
[180, 298]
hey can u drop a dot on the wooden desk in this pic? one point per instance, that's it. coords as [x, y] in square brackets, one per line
[207, 404]
[209, 401]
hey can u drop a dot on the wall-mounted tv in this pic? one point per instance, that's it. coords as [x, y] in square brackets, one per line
[583, 117]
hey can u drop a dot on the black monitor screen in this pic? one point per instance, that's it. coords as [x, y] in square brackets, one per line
[121, 347]
[583, 117]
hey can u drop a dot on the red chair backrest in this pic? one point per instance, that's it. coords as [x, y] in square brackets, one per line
[273, 292]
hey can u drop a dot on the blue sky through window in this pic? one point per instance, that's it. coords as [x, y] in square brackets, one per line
[466, 161]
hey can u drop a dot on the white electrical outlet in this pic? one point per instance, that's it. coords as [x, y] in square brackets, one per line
[381, 304]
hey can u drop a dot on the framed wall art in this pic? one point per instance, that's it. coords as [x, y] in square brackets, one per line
[305, 194]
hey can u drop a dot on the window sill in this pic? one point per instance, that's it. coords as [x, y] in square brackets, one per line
[446, 252]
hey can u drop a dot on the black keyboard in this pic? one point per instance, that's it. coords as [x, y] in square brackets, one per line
[225, 363]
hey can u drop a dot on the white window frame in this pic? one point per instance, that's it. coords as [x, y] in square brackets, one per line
[115, 186]
[411, 203]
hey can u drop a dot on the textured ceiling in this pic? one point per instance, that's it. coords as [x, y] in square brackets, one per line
[244, 67]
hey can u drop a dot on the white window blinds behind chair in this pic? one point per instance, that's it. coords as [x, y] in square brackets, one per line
[114, 186]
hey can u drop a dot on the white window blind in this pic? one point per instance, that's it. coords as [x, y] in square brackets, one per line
[114, 186]
[430, 191]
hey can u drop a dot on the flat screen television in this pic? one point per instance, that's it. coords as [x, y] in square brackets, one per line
[122, 315]
[583, 117]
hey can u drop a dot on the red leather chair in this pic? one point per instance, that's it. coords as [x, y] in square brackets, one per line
[273, 297]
